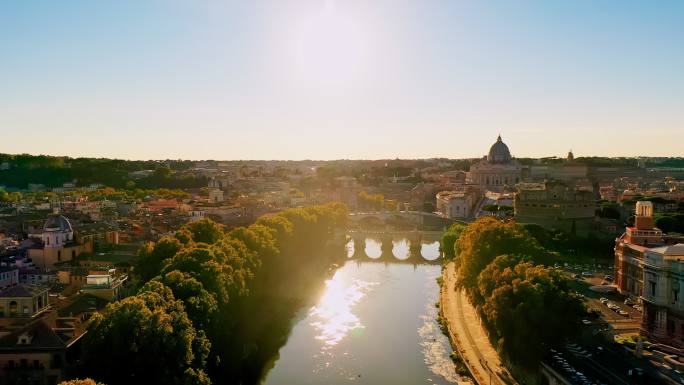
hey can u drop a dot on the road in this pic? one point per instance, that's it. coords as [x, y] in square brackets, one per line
[468, 335]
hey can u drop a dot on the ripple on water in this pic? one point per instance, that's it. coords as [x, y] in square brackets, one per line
[435, 345]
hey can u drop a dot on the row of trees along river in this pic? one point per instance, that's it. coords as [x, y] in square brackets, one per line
[213, 306]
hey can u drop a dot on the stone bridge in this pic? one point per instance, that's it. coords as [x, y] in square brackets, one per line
[415, 239]
[398, 219]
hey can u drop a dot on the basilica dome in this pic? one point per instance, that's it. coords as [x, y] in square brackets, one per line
[56, 222]
[499, 152]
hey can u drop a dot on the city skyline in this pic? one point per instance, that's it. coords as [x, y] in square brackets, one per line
[327, 80]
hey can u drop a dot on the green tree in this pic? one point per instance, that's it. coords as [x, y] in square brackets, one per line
[449, 239]
[146, 338]
[484, 240]
[531, 308]
[208, 267]
[151, 257]
[85, 381]
[200, 305]
[205, 230]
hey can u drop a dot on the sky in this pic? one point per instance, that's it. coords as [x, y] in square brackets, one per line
[345, 79]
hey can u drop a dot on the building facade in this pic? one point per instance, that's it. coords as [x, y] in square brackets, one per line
[555, 205]
[498, 170]
[459, 204]
[23, 301]
[649, 265]
[663, 317]
[9, 276]
[56, 242]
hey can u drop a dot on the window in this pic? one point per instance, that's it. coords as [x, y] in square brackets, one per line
[653, 287]
[13, 307]
[675, 295]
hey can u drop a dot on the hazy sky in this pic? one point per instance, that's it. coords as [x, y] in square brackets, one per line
[317, 79]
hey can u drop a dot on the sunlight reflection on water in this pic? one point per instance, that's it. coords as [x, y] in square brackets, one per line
[333, 318]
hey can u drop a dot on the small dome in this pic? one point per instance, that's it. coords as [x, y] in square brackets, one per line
[499, 152]
[56, 222]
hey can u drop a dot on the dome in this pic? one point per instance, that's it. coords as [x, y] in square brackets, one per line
[499, 152]
[56, 222]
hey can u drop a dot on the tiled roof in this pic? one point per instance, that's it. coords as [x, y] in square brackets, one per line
[22, 291]
[41, 337]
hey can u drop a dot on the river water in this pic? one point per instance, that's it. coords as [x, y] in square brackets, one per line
[374, 323]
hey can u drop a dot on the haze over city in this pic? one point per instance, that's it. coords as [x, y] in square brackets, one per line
[341, 192]
[340, 79]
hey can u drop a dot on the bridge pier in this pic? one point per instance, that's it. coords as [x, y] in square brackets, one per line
[359, 246]
[415, 248]
[387, 247]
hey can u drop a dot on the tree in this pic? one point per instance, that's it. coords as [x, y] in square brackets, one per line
[85, 381]
[519, 297]
[202, 263]
[151, 257]
[205, 230]
[368, 201]
[146, 338]
[200, 305]
[260, 239]
[484, 240]
[449, 239]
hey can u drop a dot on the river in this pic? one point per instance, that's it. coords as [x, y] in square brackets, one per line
[373, 323]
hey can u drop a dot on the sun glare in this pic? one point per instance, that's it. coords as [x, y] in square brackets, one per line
[333, 316]
[331, 46]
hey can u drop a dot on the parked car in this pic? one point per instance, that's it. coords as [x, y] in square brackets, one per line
[587, 274]
[629, 302]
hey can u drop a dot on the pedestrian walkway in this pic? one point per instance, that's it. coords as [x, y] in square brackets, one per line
[469, 336]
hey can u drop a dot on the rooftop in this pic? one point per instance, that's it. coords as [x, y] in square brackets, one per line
[22, 291]
[673, 251]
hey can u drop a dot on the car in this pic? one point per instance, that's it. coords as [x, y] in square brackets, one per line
[629, 302]
[608, 277]
[635, 372]
[603, 300]
[586, 322]
[587, 274]
[623, 313]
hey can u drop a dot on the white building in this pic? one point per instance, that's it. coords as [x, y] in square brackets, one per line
[457, 204]
[663, 318]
